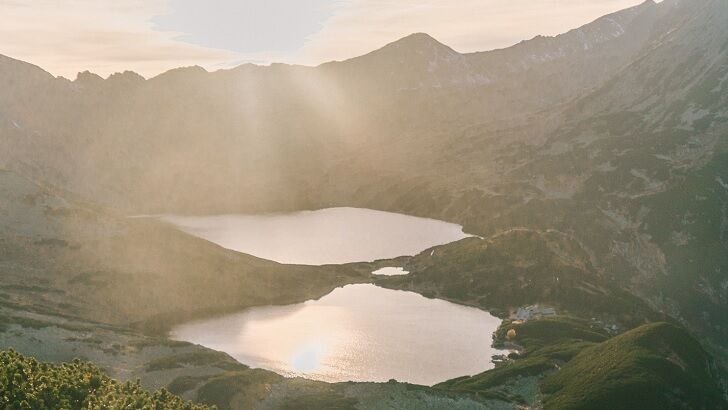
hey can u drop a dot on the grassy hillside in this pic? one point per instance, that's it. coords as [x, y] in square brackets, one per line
[521, 267]
[544, 345]
[26, 383]
[657, 366]
[567, 363]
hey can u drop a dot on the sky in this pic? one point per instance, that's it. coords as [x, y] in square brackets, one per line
[65, 37]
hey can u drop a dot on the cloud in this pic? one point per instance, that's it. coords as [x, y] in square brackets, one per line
[250, 26]
[103, 36]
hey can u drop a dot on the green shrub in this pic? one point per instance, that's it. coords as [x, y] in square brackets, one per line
[26, 383]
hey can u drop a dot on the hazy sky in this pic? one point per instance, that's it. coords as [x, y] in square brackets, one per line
[151, 36]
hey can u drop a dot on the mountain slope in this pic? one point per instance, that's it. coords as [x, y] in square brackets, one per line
[653, 366]
[282, 126]
[573, 364]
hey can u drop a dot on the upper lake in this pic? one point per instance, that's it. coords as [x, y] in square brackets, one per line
[327, 236]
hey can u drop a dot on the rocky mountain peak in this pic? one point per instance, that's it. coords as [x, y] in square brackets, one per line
[126, 77]
[418, 45]
[88, 78]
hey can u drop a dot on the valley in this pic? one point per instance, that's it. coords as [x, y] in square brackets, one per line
[586, 173]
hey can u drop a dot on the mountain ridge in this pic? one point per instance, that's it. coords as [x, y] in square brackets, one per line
[414, 41]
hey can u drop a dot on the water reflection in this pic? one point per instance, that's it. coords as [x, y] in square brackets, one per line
[358, 332]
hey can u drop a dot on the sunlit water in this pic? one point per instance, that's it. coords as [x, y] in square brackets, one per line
[327, 236]
[358, 333]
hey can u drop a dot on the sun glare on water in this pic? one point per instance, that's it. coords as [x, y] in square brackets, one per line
[308, 358]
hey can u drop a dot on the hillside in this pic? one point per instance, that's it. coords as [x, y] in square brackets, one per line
[565, 363]
[520, 268]
[76, 259]
[653, 366]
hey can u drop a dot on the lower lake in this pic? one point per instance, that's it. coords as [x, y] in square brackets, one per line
[358, 332]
